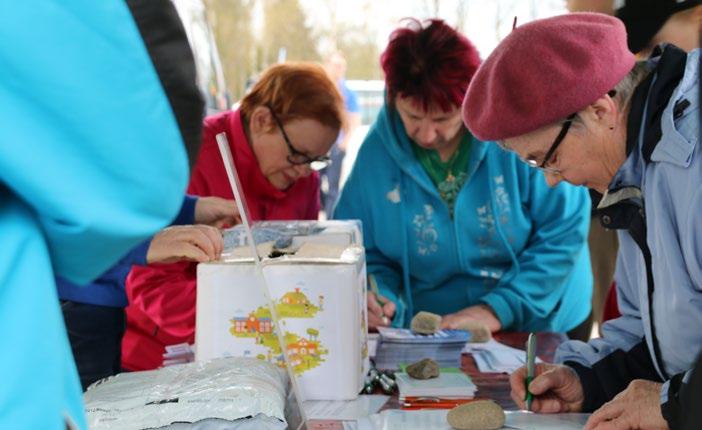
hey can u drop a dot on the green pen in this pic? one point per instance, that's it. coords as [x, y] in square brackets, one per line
[530, 364]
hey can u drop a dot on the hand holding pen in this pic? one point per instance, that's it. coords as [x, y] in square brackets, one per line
[380, 309]
[530, 365]
[553, 388]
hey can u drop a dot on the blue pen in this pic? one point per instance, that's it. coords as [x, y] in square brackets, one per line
[530, 363]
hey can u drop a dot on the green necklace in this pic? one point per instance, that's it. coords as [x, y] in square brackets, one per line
[450, 175]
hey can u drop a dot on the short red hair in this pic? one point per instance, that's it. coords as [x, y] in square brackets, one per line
[296, 91]
[432, 63]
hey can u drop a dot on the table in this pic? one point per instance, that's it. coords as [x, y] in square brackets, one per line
[495, 386]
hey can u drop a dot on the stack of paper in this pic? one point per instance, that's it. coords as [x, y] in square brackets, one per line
[495, 357]
[447, 386]
[402, 346]
[178, 354]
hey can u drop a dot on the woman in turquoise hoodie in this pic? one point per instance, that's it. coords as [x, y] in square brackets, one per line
[453, 225]
[98, 101]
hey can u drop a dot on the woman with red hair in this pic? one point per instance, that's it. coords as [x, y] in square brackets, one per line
[281, 133]
[455, 226]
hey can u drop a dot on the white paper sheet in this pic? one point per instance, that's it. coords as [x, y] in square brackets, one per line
[436, 420]
[351, 410]
[493, 356]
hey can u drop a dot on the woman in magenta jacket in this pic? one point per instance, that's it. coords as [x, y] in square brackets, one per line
[285, 124]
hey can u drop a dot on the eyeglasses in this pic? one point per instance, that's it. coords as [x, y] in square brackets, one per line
[559, 139]
[296, 157]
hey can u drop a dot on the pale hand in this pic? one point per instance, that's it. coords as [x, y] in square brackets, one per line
[379, 316]
[481, 313]
[199, 243]
[637, 407]
[555, 388]
[216, 212]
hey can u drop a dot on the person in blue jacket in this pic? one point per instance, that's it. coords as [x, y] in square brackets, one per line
[96, 112]
[94, 314]
[630, 130]
[453, 225]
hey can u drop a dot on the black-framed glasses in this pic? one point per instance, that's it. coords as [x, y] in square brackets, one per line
[296, 157]
[559, 139]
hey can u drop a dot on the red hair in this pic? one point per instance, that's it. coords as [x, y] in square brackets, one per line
[296, 91]
[431, 63]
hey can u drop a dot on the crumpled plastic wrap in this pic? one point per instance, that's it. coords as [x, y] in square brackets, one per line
[227, 389]
[284, 234]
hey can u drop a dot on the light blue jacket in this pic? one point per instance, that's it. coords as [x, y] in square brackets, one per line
[671, 186]
[513, 243]
[91, 163]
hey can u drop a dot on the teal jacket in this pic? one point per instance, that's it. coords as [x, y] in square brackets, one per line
[92, 162]
[513, 243]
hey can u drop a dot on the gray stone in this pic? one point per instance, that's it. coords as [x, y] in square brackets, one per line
[478, 331]
[426, 323]
[423, 369]
[477, 415]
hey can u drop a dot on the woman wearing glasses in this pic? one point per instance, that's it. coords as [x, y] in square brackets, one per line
[279, 136]
[639, 146]
[453, 225]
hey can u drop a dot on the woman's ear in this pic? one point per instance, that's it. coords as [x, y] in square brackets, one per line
[261, 121]
[604, 111]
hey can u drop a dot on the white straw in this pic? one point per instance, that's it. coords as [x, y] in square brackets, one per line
[241, 204]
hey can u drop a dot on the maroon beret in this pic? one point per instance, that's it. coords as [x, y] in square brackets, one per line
[543, 72]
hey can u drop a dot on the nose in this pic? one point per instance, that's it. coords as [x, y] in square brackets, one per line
[426, 133]
[552, 179]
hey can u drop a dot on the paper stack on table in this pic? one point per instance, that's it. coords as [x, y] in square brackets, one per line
[495, 357]
[178, 354]
[449, 384]
[402, 346]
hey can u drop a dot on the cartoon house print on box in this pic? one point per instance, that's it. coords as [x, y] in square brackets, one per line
[305, 352]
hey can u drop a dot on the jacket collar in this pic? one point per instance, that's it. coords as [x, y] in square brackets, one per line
[656, 103]
[676, 149]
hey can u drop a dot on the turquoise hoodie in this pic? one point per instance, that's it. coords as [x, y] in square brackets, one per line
[91, 164]
[514, 243]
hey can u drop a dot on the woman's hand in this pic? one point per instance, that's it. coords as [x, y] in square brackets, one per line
[199, 243]
[381, 310]
[480, 313]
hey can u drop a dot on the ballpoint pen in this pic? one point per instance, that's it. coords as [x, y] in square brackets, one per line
[374, 289]
[530, 360]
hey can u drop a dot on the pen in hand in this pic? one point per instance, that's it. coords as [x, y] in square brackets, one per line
[381, 302]
[530, 364]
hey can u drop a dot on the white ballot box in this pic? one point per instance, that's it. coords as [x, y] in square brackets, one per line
[318, 283]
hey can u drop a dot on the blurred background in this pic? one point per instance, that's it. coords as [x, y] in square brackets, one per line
[234, 40]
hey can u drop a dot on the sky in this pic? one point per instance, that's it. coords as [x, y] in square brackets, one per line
[480, 16]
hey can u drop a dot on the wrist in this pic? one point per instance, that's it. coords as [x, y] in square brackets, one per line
[489, 317]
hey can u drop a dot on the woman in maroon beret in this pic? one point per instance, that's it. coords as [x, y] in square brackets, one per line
[566, 95]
